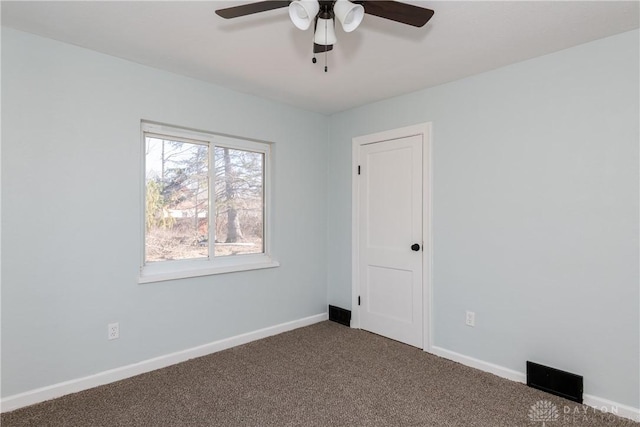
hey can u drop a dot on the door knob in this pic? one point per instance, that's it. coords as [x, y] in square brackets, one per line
[415, 247]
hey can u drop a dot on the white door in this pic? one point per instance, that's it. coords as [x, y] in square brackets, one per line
[390, 213]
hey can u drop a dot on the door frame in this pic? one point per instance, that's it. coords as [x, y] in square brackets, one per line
[423, 129]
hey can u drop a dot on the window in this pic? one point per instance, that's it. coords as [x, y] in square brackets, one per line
[205, 204]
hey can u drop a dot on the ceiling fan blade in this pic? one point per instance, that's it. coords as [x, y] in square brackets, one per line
[319, 48]
[251, 8]
[399, 12]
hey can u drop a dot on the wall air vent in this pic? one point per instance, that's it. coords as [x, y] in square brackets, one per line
[340, 315]
[555, 381]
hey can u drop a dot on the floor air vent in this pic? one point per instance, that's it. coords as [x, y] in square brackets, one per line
[340, 315]
[555, 381]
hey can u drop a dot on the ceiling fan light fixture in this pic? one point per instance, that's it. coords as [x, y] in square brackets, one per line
[303, 12]
[325, 32]
[349, 14]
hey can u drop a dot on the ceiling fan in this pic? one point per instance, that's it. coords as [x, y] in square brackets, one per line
[323, 13]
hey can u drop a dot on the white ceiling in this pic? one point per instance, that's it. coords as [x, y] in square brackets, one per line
[265, 55]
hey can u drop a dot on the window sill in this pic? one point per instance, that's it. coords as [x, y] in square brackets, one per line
[186, 269]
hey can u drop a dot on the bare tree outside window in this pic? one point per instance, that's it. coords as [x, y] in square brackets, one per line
[177, 204]
[177, 200]
[239, 194]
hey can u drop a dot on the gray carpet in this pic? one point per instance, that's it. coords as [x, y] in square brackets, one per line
[322, 375]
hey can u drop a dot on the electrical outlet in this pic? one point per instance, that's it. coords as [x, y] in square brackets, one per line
[113, 331]
[470, 319]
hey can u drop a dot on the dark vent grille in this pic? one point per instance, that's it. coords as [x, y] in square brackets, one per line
[555, 381]
[340, 315]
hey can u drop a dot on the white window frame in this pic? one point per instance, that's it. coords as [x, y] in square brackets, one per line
[180, 269]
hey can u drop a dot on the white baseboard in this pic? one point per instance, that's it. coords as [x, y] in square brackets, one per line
[481, 365]
[605, 405]
[73, 386]
[611, 407]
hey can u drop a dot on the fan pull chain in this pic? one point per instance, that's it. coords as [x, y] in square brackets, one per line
[313, 49]
[313, 60]
[326, 23]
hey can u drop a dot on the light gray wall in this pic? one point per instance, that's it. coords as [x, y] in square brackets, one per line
[535, 211]
[71, 215]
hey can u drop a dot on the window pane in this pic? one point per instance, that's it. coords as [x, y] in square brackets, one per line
[239, 202]
[177, 200]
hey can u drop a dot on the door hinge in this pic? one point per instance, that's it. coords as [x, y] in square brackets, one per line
[358, 169]
[358, 299]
